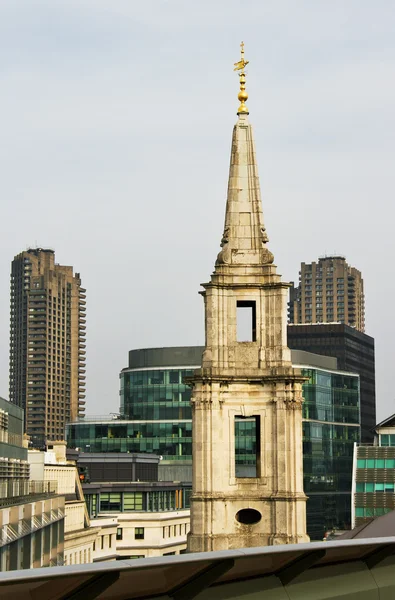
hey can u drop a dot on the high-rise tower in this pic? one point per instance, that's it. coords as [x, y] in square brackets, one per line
[329, 291]
[246, 381]
[47, 344]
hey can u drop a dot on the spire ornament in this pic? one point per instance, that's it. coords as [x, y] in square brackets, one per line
[242, 96]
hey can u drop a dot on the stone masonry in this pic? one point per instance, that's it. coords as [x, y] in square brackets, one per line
[250, 379]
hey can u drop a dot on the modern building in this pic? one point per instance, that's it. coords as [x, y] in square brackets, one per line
[373, 492]
[47, 344]
[329, 291]
[354, 351]
[31, 512]
[154, 380]
[331, 427]
[138, 515]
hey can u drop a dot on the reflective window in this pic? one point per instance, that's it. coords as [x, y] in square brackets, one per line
[110, 502]
[132, 501]
[247, 446]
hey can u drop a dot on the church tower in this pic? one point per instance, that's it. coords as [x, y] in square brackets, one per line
[246, 398]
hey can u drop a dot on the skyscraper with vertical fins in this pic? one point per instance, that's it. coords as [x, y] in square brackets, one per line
[247, 382]
[47, 344]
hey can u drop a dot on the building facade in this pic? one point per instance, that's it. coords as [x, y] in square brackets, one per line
[354, 351]
[15, 474]
[156, 401]
[246, 373]
[47, 344]
[126, 536]
[373, 492]
[331, 427]
[329, 291]
[126, 482]
[138, 515]
[331, 417]
[53, 467]
[31, 512]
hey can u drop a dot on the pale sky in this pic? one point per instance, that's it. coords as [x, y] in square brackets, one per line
[115, 141]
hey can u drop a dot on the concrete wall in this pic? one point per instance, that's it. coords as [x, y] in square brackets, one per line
[164, 533]
[74, 516]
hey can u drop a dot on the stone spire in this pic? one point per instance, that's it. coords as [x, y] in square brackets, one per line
[244, 239]
[246, 382]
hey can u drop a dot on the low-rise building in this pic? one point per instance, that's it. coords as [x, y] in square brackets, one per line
[53, 466]
[139, 516]
[31, 512]
[373, 490]
[141, 535]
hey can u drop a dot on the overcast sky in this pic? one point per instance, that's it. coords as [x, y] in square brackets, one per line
[116, 122]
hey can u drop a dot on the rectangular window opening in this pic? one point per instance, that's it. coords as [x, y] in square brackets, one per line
[246, 320]
[139, 533]
[247, 446]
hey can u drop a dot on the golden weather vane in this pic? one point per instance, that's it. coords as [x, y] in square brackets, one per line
[242, 63]
[242, 96]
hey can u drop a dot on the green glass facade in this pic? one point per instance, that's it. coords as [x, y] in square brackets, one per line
[155, 395]
[156, 418]
[161, 500]
[170, 439]
[331, 426]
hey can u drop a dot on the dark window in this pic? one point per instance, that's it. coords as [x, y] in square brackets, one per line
[247, 446]
[110, 502]
[139, 533]
[119, 533]
[246, 321]
[174, 376]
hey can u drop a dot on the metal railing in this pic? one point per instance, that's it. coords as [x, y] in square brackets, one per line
[37, 490]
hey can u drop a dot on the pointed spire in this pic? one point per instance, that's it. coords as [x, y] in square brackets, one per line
[244, 239]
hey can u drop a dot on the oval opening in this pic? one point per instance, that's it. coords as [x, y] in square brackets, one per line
[248, 516]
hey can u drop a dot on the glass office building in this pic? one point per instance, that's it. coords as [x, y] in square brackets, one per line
[330, 430]
[155, 417]
[155, 412]
[354, 352]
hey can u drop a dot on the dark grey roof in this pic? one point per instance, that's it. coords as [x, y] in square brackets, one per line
[388, 422]
[174, 356]
[299, 569]
[374, 528]
[301, 357]
[187, 356]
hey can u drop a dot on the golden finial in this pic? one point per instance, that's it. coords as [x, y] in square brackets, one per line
[243, 96]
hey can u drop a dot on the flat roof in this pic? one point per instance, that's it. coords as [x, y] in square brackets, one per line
[172, 356]
[191, 356]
